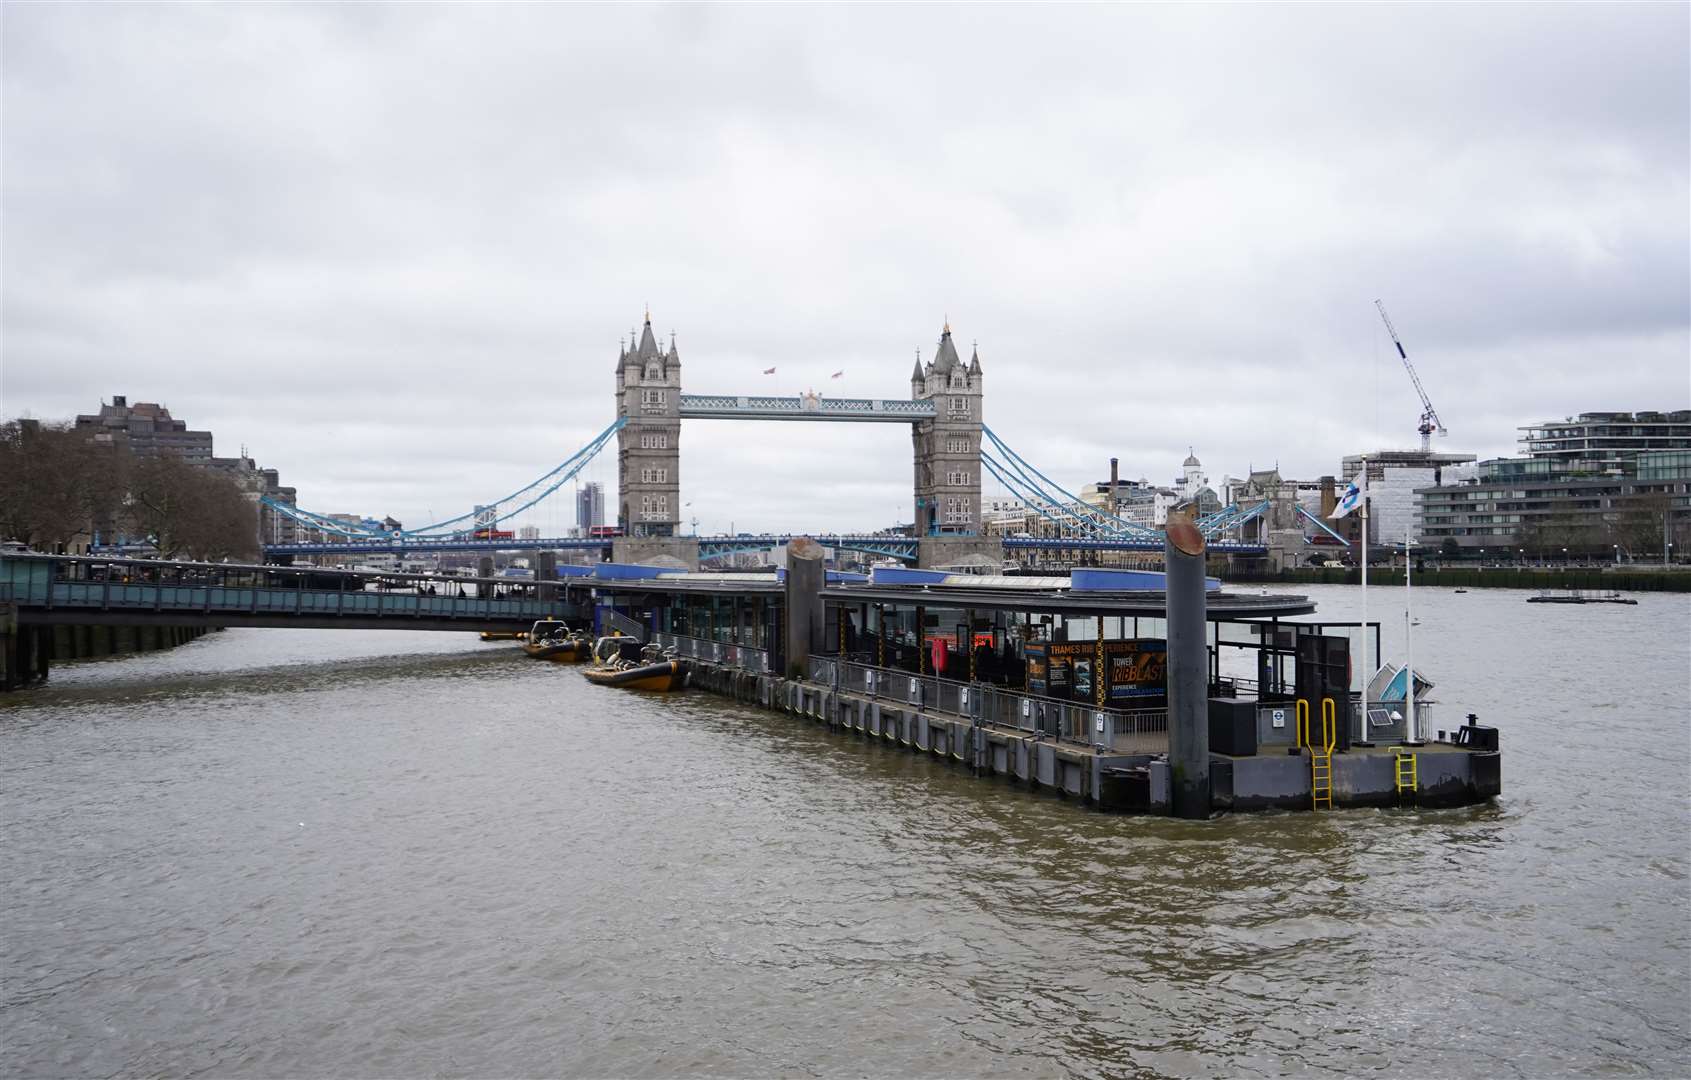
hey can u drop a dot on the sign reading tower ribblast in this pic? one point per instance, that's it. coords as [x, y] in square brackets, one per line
[1132, 671]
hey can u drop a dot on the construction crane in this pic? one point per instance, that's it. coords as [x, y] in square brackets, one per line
[1430, 421]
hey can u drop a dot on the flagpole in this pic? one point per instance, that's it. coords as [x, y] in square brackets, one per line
[1367, 669]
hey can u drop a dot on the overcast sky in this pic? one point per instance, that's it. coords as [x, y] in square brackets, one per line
[391, 250]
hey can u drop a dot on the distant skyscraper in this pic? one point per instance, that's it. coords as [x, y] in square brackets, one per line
[590, 506]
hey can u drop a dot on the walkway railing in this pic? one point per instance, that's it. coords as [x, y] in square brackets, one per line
[1128, 731]
[313, 595]
[726, 653]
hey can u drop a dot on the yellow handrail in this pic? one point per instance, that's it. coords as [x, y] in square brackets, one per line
[1329, 724]
[1303, 723]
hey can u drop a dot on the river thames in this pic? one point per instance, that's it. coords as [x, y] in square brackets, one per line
[322, 853]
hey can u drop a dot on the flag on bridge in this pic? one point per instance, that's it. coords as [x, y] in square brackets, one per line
[769, 371]
[1354, 493]
[837, 374]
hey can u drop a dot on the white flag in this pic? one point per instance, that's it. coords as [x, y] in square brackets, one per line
[1353, 495]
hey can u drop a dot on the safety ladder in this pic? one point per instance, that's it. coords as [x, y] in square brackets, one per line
[1408, 782]
[1320, 754]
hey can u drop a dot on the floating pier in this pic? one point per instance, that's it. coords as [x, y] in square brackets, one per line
[1108, 687]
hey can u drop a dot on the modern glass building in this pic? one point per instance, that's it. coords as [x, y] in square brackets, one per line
[1606, 442]
[1609, 484]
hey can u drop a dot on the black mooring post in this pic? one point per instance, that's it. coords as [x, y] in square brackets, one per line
[1188, 669]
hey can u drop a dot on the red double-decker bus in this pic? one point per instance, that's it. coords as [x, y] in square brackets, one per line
[604, 532]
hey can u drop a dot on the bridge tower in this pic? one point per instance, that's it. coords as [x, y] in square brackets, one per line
[948, 447]
[648, 386]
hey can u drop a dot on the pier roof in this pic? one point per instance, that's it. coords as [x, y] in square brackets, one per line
[1222, 606]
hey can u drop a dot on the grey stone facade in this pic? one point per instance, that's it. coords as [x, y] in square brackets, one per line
[648, 385]
[948, 447]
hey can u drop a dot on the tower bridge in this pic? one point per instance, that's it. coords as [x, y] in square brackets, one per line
[951, 448]
[944, 413]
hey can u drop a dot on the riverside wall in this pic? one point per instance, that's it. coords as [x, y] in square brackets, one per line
[1491, 577]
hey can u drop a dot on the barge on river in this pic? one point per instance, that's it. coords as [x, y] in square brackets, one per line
[1061, 683]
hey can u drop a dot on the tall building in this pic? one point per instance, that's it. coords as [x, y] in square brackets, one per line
[948, 447]
[649, 444]
[1601, 483]
[147, 429]
[590, 507]
[1394, 477]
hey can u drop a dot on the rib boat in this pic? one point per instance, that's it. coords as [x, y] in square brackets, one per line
[550, 639]
[624, 662]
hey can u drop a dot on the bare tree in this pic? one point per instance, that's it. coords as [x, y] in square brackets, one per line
[56, 485]
[189, 511]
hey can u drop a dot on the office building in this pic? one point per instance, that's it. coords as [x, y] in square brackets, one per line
[590, 507]
[1607, 484]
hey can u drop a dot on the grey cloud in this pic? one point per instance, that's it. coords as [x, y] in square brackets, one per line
[391, 248]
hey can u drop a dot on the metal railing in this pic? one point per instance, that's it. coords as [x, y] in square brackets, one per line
[725, 653]
[1134, 731]
[97, 584]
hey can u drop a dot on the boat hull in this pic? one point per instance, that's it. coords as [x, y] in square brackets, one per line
[661, 677]
[566, 653]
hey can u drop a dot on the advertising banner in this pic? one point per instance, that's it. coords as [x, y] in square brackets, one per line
[1135, 669]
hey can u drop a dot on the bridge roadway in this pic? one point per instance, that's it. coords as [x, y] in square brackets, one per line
[46, 590]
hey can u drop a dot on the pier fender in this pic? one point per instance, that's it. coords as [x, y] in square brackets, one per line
[1221, 782]
[1045, 764]
[1485, 767]
[1161, 791]
[874, 710]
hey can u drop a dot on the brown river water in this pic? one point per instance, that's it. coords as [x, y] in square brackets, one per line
[328, 853]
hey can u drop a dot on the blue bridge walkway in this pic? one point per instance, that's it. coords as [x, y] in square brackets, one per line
[73, 590]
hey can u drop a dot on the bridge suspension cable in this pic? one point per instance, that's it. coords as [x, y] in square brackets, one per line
[1095, 521]
[1044, 496]
[479, 518]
